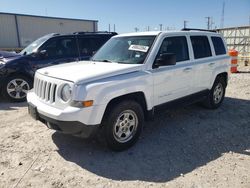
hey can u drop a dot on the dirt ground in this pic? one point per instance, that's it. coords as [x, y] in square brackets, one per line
[189, 147]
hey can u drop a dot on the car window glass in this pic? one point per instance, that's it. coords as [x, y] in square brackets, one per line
[177, 46]
[219, 46]
[60, 48]
[88, 46]
[200, 46]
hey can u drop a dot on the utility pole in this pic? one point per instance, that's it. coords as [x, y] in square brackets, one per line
[208, 22]
[222, 15]
[185, 23]
[136, 29]
[114, 27]
[160, 27]
[109, 27]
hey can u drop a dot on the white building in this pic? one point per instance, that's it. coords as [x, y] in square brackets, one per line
[19, 30]
[238, 38]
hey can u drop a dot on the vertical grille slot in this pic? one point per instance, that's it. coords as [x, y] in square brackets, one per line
[52, 93]
[44, 89]
[47, 91]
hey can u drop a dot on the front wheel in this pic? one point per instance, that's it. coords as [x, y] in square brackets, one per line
[216, 94]
[123, 125]
[15, 88]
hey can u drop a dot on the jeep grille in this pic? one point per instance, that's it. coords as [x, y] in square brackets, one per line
[45, 90]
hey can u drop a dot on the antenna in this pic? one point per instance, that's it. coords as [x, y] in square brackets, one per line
[222, 15]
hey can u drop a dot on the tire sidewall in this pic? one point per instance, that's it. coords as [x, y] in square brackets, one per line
[111, 120]
[211, 95]
[4, 88]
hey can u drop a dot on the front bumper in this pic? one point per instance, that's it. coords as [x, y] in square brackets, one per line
[68, 127]
[88, 116]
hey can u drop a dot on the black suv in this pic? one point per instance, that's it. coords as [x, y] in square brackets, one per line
[17, 70]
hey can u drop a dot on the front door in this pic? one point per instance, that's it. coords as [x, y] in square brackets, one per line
[55, 51]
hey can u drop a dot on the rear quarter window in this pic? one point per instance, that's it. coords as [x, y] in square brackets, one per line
[201, 47]
[219, 46]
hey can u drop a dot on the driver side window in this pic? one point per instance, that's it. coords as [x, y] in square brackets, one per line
[177, 46]
[60, 48]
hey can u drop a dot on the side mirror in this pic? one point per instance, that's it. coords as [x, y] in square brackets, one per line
[165, 59]
[43, 53]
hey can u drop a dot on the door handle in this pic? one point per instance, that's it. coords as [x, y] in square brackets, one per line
[187, 69]
[211, 64]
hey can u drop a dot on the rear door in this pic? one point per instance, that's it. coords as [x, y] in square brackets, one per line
[175, 81]
[203, 61]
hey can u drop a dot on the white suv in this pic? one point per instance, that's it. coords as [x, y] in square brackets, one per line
[128, 80]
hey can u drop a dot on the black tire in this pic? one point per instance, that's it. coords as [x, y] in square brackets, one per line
[211, 102]
[19, 91]
[119, 120]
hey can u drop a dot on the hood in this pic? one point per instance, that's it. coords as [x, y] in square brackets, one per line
[86, 71]
[6, 55]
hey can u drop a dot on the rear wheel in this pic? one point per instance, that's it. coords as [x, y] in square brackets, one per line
[123, 125]
[16, 87]
[216, 94]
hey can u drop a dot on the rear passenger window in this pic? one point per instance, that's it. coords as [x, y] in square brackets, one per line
[218, 45]
[177, 46]
[201, 47]
[88, 46]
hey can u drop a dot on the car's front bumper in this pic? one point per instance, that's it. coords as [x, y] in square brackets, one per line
[88, 116]
[68, 127]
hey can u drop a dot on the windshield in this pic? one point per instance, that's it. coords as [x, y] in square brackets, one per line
[34, 45]
[128, 50]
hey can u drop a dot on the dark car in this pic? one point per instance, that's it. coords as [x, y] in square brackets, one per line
[17, 70]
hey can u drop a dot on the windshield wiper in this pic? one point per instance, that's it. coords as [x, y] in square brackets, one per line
[104, 60]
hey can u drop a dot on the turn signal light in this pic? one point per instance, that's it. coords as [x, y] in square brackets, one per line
[87, 103]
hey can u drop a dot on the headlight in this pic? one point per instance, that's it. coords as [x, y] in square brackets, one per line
[66, 92]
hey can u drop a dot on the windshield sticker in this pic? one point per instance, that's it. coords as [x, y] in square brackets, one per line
[139, 48]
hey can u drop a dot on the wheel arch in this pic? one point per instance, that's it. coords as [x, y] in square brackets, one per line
[223, 75]
[138, 97]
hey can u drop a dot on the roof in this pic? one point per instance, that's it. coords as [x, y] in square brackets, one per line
[48, 17]
[155, 33]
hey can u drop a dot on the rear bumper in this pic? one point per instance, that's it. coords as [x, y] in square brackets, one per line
[67, 127]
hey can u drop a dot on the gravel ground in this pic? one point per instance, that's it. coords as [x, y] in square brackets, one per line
[187, 147]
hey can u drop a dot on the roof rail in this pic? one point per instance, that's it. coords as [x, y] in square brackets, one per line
[97, 32]
[193, 29]
[55, 34]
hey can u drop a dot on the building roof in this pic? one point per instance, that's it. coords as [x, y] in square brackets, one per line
[47, 17]
[236, 27]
